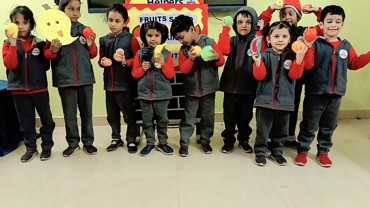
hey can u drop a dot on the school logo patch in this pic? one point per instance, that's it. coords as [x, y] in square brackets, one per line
[287, 64]
[82, 40]
[343, 54]
[35, 52]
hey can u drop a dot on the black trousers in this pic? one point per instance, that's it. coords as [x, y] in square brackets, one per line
[25, 106]
[238, 111]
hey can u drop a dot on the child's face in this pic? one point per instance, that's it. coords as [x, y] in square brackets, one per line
[72, 10]
[332, 25]
[153, 37]
[116, 22]
[186, 37]
[279, 39]
[289, 15]
[243, 24]
[24, 26]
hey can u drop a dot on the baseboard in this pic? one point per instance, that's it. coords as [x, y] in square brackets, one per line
[102, 120]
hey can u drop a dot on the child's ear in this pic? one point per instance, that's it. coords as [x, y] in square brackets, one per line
[268, 39]
[321, 24]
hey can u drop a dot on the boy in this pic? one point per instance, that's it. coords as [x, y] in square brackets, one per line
[200, 82]
[237, 81]
[326, 82]
[291, 12]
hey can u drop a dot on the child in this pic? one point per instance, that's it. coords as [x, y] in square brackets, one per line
[200, 83]
[118, 82]
[237, 81]
[276, 71]
[154, 86]
[291, 12]
[26, 70]
[326, 82]
[74, 77]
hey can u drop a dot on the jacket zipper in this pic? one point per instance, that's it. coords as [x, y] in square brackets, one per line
[276, 85]
[26, 70]
[150, 84]
[74, 64]
[334, 60]
[238, 65]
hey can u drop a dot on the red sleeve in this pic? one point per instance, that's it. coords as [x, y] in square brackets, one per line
[137, 70]
[224, 40]
[135, 46]
[185, 64]
[10, 57]
[168, 68]
[318, 14]
[101, 55]
[266, 16]
[309, 58]
[221, 60]
[93, 51]
[259, 72]
[296, 70]
[47, 53]
[357, 62]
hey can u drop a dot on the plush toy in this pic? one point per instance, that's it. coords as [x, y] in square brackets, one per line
[228, 20]
[147, 53]
[198, 50]
[117, 53]
[298, 45]
[255, 46]
[206, 52]
[157, 52]
[12, 30]
[87, 32]
[279, 3]
[310, 34]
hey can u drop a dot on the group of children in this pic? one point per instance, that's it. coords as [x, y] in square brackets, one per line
[270, 81]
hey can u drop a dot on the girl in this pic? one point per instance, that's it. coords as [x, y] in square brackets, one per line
[276, 72]
[118, 48]
[26, 69]
[291, 12]
[154, 87]
[74, 77]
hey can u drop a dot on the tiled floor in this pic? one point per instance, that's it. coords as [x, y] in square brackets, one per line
[119, 179]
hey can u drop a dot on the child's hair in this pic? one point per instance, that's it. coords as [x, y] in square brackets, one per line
[181, 23]
[118, 8]
[153, 25]
[332, 9]
[26, 12]
[279, 25]
[62, 4]
[295, 5]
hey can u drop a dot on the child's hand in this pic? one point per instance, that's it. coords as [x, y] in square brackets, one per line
[215, 56]
[105, 62]
[308, 8]
[55, 45]
[260, 24]
[120, 57]
[159, 59]
[192, 54]
[13, 41]
[256, 60]
[300, 54]
[91, 40]
[145, 65]
[273, 7]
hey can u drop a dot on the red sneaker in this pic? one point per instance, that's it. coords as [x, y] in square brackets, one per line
[324, 160]
[301, 159]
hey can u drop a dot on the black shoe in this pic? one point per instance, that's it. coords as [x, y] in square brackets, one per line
[132, 148]
[45, 155]
[183, 152]
[245, 147]
[165, 149]
[90, 149]
[260, 160]
[29, 155]
[207, 149]
[146, 150]
[115, 143]
[70, 150]
[279, 159]
[292, 144]
[227, 148]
